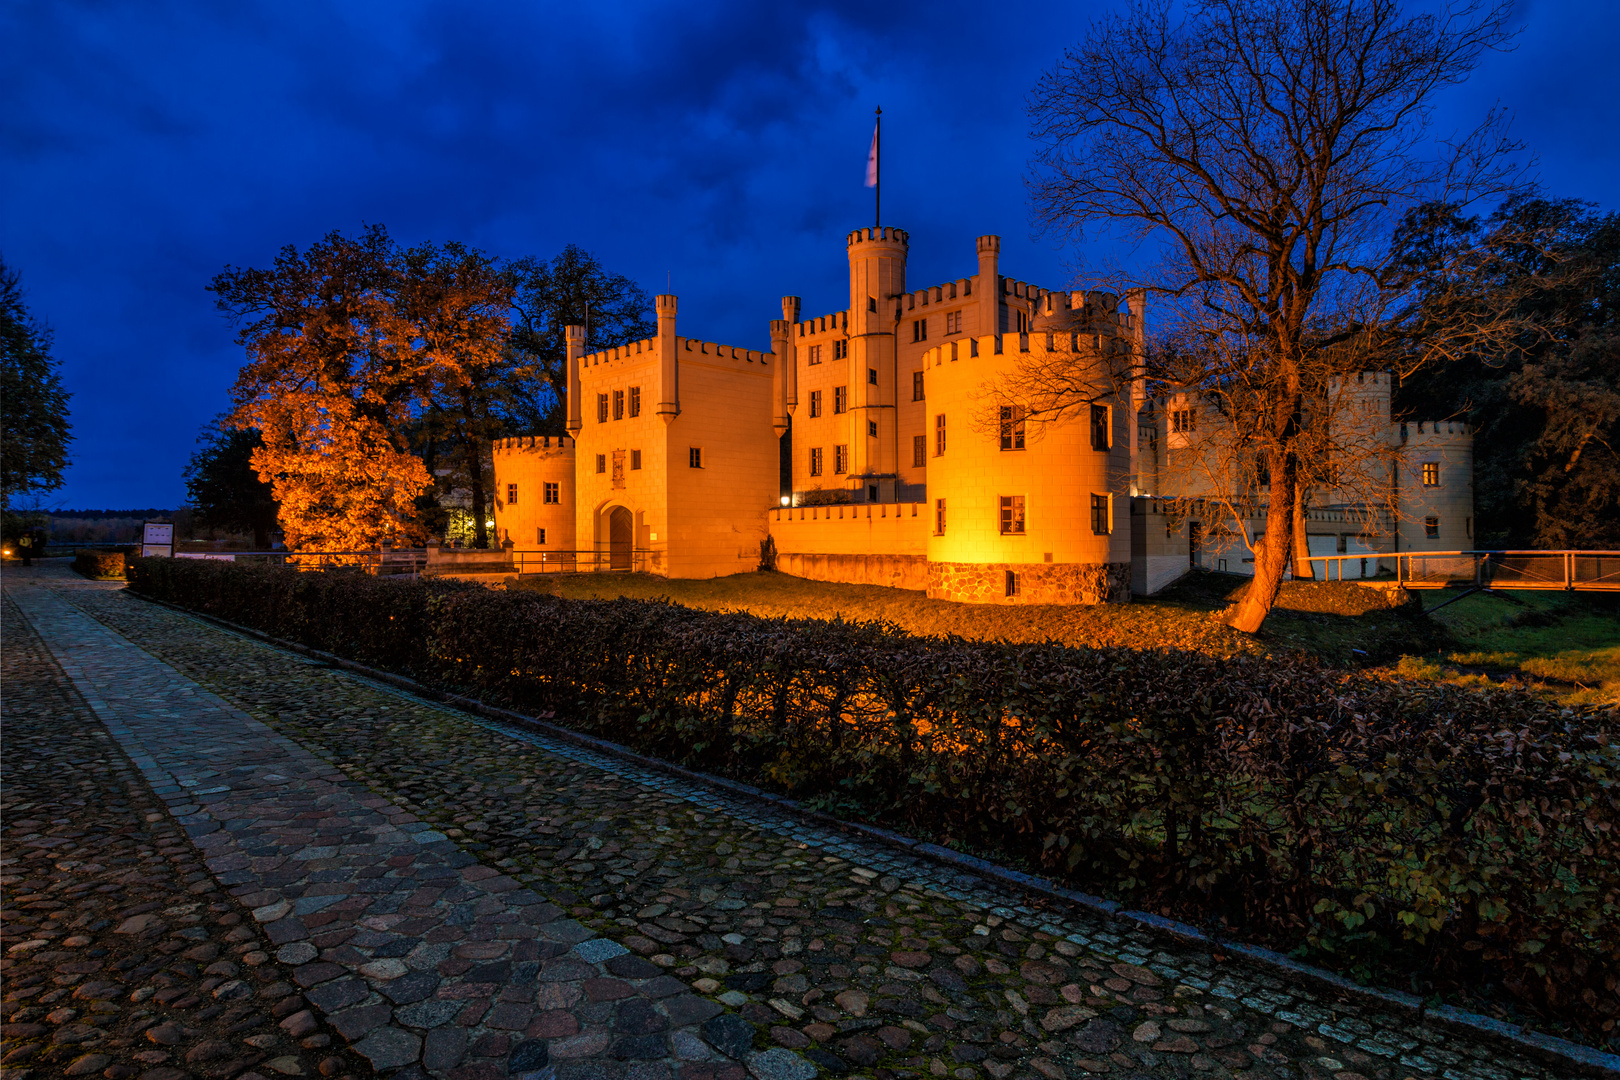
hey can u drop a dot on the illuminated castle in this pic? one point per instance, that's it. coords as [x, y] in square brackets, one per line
[868, 446]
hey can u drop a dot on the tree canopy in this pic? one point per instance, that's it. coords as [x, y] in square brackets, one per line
[1269, 148]
[35, 435]
[1544, 402]
[223, 487]
[377, 375]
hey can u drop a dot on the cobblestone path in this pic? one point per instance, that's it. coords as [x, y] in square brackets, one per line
[852, 956]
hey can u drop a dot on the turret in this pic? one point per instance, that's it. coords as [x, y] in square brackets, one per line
[877, 275]
[574, 336]
[782, 350]
[669, 387]
[989, 284]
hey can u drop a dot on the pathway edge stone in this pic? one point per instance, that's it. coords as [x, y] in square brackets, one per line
[1589, 1061]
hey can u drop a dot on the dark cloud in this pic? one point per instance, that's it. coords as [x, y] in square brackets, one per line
[145, 146]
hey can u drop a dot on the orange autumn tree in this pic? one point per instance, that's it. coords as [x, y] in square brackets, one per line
[346, 343]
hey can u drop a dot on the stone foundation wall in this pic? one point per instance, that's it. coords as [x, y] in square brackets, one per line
[895, 571]
[1038, 583]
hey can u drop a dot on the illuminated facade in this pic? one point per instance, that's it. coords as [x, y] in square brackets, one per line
[869, 444]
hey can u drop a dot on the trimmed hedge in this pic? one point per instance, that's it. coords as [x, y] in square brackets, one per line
[99, 564]
[1463, 838]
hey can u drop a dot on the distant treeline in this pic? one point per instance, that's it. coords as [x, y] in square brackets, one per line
[142, 514]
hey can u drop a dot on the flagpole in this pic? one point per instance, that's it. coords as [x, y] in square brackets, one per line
[877, 187]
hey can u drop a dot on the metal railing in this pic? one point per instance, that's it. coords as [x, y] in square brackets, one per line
[385, 561]
[633, 561]
[1565, 570]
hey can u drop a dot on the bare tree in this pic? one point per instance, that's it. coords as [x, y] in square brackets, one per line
[1269, 147]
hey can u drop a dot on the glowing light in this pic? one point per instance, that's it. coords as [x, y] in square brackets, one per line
[787, 500]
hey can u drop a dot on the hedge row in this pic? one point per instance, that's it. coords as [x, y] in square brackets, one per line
[1464, 838]
[97, 564]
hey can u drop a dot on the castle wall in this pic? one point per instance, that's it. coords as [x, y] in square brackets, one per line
[531, 462]
[717, 512]
[611, 446]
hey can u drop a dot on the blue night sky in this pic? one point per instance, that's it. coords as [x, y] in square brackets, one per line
[145, 146]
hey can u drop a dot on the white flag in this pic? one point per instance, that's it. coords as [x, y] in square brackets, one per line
[871, 161]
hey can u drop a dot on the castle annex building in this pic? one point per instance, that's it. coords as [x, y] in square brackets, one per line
[865, 446]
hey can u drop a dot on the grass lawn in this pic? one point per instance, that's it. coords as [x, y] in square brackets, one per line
[1564, 644]
[1344, 624]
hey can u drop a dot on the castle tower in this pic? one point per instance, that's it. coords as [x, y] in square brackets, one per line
[785, 377]
[877, 275]
[575, 338]
[669, 375]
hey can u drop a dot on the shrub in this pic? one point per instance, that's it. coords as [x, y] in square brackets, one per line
[1465, 837]
[99, 564]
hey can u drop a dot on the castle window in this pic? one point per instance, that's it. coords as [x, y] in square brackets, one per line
[919, 329]
[635, 460]
[919, 451]
[694, 457]
[1431, 528]
[815, 461]
[871, 376]
[1431, 474]
[1012, 515]
[815, 403]
[871, 303]
[840, 348]
[916, 386]
[840, 399]
[1182, 421]
[1012, 583]
[1468, 527]
[618, 404]
[1012, 427]
[871, 428]
[953, 322]
[840, 460]
[601, 408]
[551, 493]
[939, 434]
[1023, 322]
[815, 355]
[635, 401]
[1099, 515]
[540, 536]
[1099, 427]
[939, 517]
[511, 494]
[601, 463]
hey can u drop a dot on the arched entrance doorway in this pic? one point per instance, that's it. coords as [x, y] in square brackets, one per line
[621, 534]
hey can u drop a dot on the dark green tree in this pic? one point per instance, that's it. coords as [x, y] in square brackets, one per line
[223, 487]
[572, 289]
[35, 434]
[1545, 402]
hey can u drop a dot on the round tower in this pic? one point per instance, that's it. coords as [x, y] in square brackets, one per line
[877, 274]
[1024, 511]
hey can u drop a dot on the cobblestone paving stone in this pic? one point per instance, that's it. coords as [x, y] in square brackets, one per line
[122, 957]
[417, 953]
[859, 957]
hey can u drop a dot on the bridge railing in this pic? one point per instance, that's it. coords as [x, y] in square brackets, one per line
[1566, 570]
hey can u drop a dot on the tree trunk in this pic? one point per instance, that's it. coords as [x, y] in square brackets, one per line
[1270, 554]
[1303, 567]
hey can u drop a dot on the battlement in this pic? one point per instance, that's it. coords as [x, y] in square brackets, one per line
[837, 322]
[553, 443]
[1437, 431]
[726, 352]
[939, 294]
[884, 235]
[627, 351]
[1038, 341]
